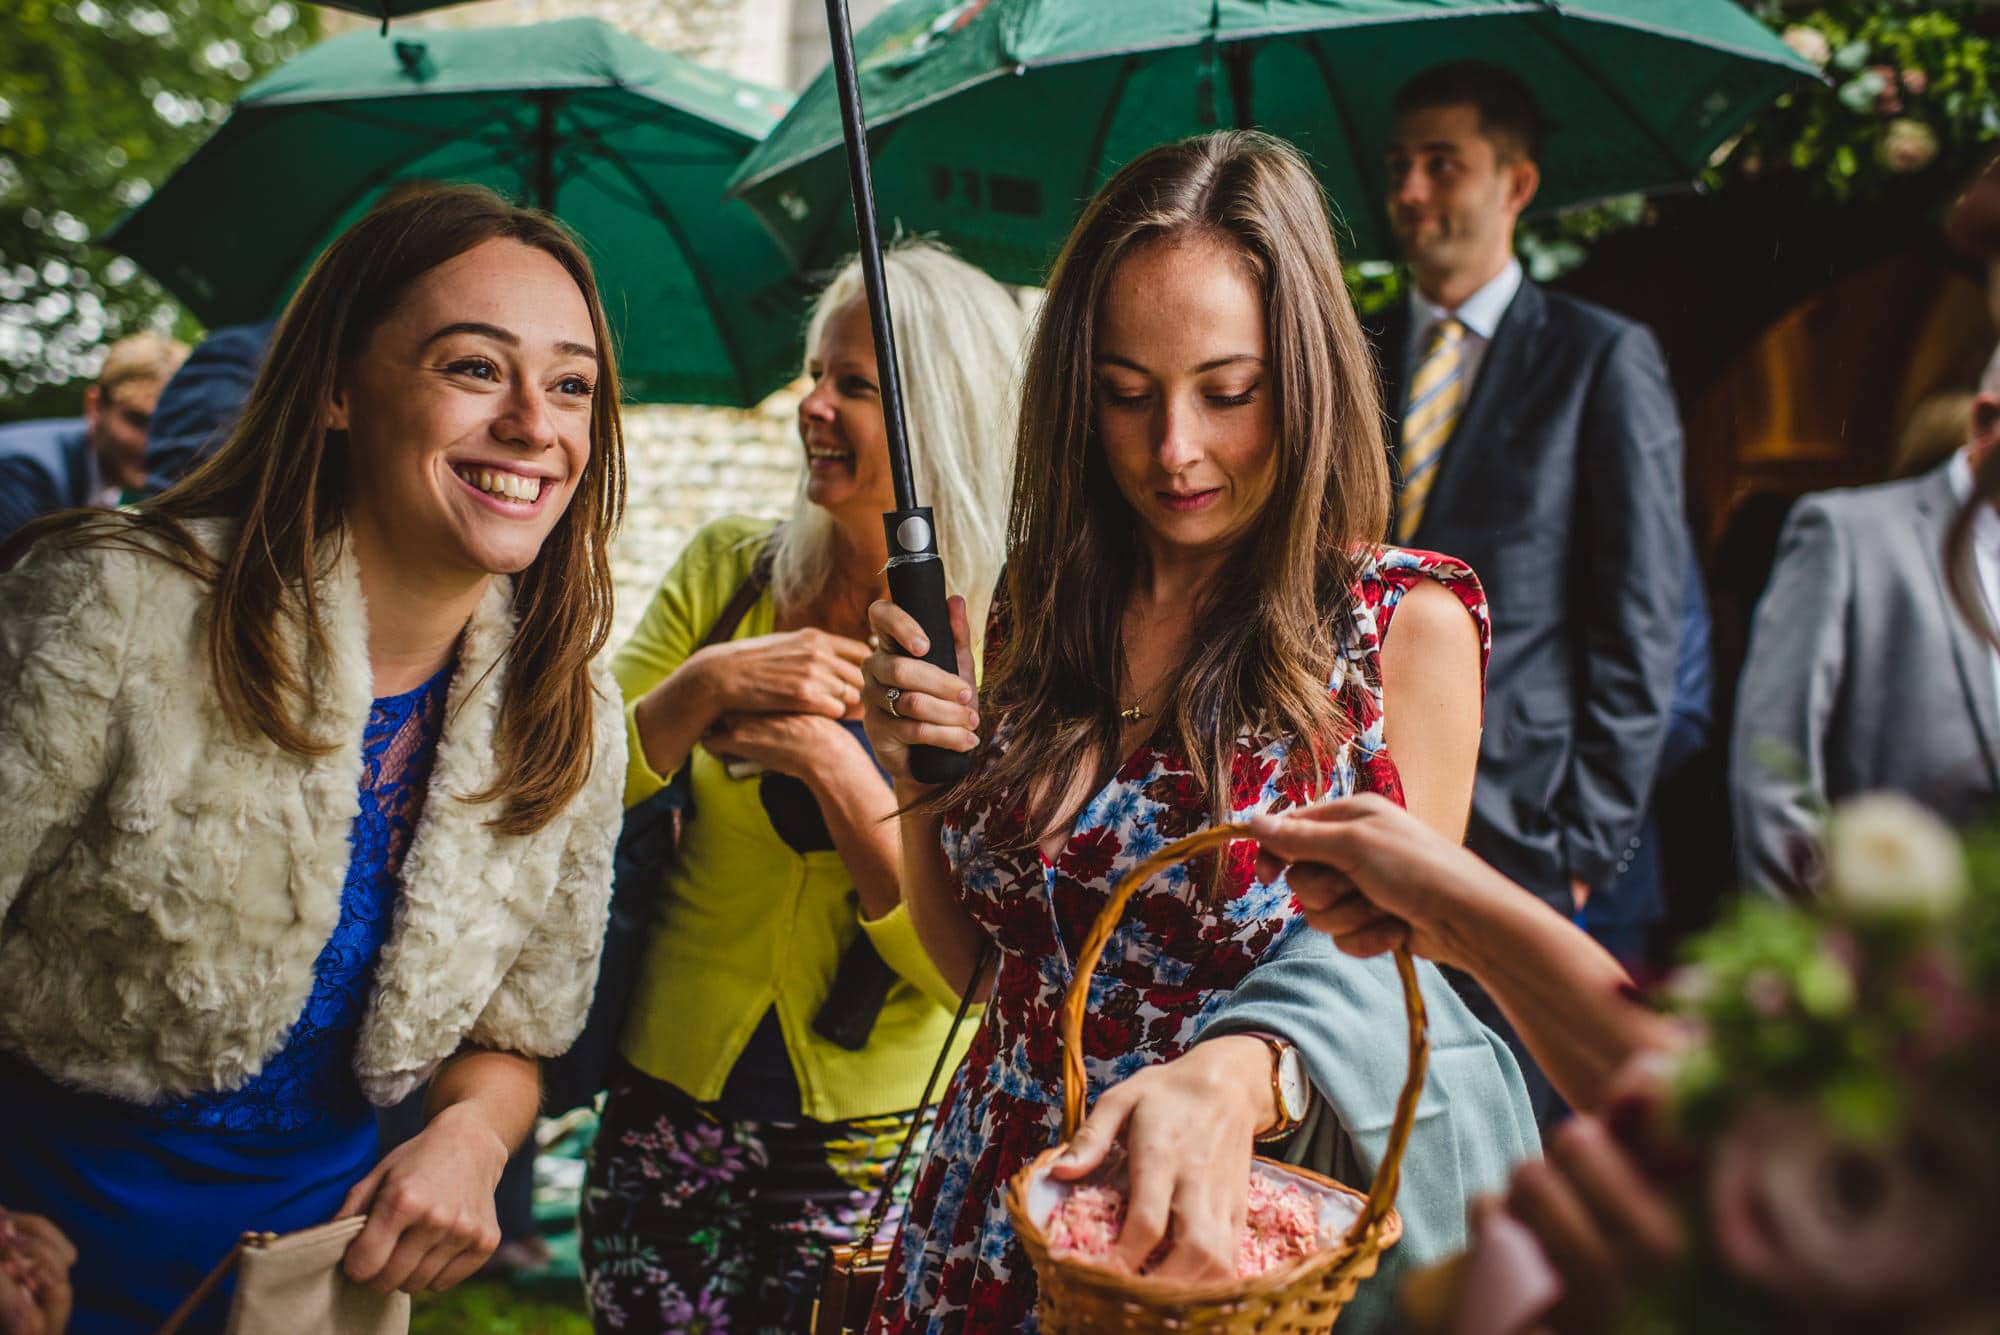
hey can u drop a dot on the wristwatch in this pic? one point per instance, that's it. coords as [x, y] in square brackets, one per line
[1291, 1091]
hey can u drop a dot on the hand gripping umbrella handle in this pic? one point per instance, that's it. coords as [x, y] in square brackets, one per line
[916, 584]
[916, 572]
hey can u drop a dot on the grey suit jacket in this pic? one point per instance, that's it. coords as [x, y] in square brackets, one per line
[1861, 675]
[1561, 487]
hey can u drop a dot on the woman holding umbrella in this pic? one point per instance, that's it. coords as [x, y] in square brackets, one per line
[742, 1134]
[1196, 625]
[308, 790]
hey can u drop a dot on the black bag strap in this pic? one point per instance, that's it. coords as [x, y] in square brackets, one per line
[917, 1118]
[740, 602]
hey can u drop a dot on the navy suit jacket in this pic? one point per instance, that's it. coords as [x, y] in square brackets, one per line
[45, 466]
[200, 404]
[1637, 893]
[1561, 486]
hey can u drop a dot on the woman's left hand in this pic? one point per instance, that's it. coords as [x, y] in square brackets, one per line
[431, 1220]
[1188, 1127]
[800, 745]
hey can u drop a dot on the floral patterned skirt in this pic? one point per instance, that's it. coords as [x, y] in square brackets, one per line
[695, 1222]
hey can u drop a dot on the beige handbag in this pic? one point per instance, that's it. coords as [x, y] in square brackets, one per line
[293, 1283]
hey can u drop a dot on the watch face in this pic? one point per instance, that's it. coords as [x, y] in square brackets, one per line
[1293, 1087]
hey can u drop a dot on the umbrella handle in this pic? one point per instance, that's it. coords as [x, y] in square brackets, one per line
[916, 572]
[916, 584]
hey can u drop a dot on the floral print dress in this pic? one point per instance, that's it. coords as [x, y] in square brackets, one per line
[1172, 962]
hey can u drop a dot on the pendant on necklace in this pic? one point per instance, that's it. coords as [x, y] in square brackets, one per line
[1133, 714]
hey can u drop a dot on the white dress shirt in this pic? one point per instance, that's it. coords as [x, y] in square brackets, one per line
[1985, 552]
[1480, 313]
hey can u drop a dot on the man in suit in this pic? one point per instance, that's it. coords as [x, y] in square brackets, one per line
[1624, 913]
[1862, 674]
[61, 463]
[1536, 437]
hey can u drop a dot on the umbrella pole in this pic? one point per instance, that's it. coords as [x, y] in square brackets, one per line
[916, 572]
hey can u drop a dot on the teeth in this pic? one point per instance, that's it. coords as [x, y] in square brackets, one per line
[507, 486]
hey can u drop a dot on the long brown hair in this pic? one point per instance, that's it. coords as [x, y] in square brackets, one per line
[282, 477]
[1269, 627]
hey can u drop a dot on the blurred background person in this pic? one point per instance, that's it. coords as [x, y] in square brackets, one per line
[1860, 676]
[203, 400]
[92, 460]
[1537, 439]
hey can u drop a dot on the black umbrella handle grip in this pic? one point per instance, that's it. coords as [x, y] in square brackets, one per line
[916, 584]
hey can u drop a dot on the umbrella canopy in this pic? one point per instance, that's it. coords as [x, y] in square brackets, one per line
[992, 121]
[629, 145]
[387, 9]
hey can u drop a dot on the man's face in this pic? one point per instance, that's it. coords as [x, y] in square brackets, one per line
[116, 421]
[1453, 196]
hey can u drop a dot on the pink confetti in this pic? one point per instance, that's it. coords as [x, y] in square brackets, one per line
[1282, 1225]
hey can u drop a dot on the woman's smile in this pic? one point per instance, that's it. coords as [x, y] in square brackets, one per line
[506, 491]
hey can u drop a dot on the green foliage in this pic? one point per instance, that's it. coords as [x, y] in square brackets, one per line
[99, 101]
[484, 1307]
[1907, 90]
[1908, 98]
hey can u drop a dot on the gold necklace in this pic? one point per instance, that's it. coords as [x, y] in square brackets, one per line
[1136, 711]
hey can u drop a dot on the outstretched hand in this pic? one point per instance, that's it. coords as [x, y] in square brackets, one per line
[1373, 877]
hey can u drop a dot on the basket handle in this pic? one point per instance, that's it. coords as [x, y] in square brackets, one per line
[1388, 1174]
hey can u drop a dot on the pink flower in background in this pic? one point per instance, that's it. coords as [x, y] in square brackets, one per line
[1915, 81]
[1833, 1223]
[1907, 145]
[1767, 993]
[1889, 91]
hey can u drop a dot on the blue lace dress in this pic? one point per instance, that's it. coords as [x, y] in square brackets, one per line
[153, 1196]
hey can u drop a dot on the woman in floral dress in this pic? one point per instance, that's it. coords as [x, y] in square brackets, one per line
[1195, 625]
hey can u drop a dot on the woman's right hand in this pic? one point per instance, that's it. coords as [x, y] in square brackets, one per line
[1372, 876]
[933, 707]
[809, 671]
[35, 1259]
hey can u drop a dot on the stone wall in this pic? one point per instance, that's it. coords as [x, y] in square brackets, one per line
[689, 466]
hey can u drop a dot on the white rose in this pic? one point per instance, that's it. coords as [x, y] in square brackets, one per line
[1888, 856]
[1808, 44]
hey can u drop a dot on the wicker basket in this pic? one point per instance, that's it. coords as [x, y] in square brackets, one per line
[1303, 1295]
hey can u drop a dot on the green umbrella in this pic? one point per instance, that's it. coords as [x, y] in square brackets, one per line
[992, 121]
[628, 145]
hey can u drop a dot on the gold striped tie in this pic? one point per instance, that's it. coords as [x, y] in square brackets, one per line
[1437, 394]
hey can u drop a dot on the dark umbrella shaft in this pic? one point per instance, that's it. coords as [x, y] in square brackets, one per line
[916, 573]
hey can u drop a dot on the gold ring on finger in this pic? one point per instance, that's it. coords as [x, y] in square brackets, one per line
[890, 695]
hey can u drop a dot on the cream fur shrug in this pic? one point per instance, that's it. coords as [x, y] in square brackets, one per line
[167, 881]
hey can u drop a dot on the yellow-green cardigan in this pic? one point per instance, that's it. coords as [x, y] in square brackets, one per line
[744, 922]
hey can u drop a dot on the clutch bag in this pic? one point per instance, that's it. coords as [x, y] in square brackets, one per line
[292, 1282]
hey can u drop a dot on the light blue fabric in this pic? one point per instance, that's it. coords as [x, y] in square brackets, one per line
[1346, 1018]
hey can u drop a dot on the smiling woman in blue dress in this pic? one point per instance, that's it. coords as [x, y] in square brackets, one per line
[307, 786]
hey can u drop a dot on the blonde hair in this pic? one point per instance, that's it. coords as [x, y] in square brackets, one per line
[146, 356]
[959, 336]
